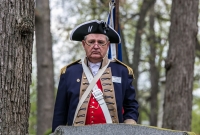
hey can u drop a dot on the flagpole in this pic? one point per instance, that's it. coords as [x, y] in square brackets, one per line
[116, 14]
[117, 21]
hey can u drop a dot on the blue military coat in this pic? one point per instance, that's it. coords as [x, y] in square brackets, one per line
[69, 92]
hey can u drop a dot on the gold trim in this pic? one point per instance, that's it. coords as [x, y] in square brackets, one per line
[130, 70]
[110, 94]
[84, 105]
[63, 70]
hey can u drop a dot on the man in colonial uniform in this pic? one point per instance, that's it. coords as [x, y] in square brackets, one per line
[95, 90]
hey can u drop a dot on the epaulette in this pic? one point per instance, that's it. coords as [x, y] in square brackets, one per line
[130, 71]
[63, 70]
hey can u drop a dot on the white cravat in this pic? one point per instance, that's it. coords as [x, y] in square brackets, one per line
[94, 67]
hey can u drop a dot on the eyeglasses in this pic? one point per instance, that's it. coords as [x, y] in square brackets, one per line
[93, 42]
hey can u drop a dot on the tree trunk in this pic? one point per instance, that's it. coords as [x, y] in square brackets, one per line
[124, 49]
[180, 65]
[93, 8]
[45, 74]
[16, 40]
[154, 72]
[146, 5]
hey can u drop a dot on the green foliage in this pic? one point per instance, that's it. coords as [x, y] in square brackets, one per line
[196, 115]
[196, 99]
[47, 132]
[33, 111]
[33, 97]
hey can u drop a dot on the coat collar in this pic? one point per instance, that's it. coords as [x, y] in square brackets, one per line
[104, 61]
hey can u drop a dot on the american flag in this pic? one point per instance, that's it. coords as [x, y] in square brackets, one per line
[115, 50]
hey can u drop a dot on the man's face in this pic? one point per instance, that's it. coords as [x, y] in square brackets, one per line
[96, 46]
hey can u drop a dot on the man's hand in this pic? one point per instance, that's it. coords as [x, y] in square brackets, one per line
[130, 121]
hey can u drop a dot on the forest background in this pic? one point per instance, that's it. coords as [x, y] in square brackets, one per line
[147, 16]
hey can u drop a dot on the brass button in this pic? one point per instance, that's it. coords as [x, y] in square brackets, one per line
[92, 116]
[108, 72]
[92, 112]
[92, 122]
[113, 121]
[84, 77]
[111, 90]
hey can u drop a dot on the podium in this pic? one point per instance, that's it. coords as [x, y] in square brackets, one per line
[116, 129]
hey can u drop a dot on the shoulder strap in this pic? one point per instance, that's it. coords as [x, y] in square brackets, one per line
[88, 90]
[63, 70]
[130, 70]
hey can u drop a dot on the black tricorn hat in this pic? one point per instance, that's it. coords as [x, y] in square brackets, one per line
[95, 26]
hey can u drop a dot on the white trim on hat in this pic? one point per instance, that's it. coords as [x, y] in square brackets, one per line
[91, 22]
